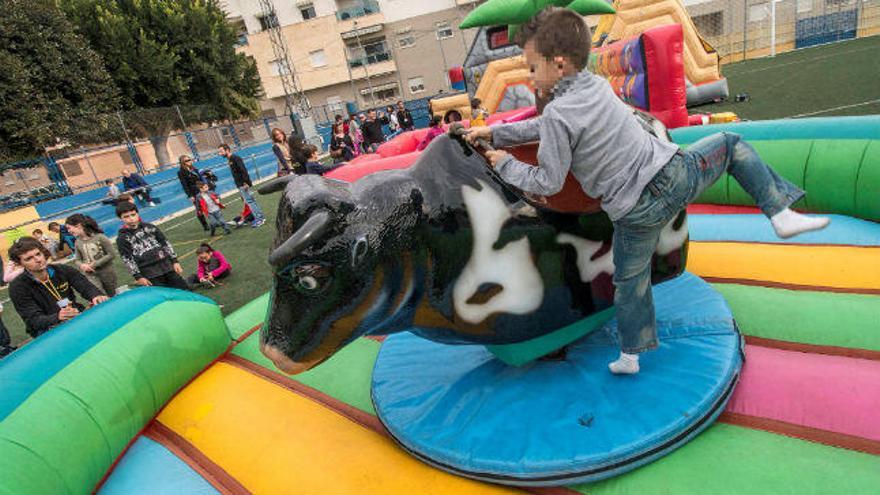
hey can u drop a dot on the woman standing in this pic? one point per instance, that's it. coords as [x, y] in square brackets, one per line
[394, 126]
[354, 132]
[341, 147]
[94, 252]
[282, 152]
[189, 178]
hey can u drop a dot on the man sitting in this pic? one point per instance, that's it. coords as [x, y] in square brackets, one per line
[138, 187]
[44, 294]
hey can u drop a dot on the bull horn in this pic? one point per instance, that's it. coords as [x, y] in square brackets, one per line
[310, 231]
[276, 184]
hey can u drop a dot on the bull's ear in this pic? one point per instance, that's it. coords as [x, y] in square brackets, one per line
[276, 184]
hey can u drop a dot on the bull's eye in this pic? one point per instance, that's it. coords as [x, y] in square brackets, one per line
[309, 278]
[308, 283]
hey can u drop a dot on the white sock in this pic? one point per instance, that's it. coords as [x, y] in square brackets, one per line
[626, 364]
[788, 223]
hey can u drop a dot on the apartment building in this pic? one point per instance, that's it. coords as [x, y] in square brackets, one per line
[370, 52]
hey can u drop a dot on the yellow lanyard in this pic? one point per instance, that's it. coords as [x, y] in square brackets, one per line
[51, 288]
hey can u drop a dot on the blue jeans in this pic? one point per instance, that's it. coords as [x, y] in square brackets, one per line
[675, 186]
[252, 204]
[215, 219]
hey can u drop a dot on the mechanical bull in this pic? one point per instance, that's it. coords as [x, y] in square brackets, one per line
[444, 249]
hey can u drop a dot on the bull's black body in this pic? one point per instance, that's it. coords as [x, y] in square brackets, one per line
[388, 250]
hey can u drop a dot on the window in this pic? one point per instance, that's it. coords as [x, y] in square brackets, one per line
[804, 6]
[380, 93]
[279, 67]
[318, 58]
[125, 156]
[416, 85]
[758, 12]
[444, 30]
[267, 21]
[373, 52]
[71, 169]
[406, 41]
[308, 11]
[334, 103]
[498, 38]
[710, 24]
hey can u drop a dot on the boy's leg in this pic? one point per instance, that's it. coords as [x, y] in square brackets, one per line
[633, 250]
[252, 204]
[219, 222]
[725, 151]
[171, 280]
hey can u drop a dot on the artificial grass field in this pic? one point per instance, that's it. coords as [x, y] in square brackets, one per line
[836, 79]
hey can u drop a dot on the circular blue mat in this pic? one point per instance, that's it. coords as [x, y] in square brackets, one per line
[561, 422]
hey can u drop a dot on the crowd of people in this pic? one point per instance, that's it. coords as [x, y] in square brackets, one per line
[46, 291]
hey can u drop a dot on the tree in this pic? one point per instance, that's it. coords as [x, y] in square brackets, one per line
[53, 87]
[163, 53]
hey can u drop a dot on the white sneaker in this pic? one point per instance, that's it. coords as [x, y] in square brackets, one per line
[151, 204]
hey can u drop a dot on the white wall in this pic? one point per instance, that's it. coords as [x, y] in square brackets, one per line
[395, 10]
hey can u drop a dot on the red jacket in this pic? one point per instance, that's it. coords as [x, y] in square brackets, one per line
[203, 206]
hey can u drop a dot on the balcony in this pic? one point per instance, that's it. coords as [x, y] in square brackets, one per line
[371, 59]
[358, 9]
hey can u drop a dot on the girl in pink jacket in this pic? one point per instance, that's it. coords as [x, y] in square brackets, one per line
[212, 266]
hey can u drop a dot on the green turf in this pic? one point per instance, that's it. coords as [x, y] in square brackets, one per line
[246, 249]
[809, 81]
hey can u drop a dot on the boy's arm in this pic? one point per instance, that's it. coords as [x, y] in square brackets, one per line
[127, 255]
[527, 131]
[554, 161]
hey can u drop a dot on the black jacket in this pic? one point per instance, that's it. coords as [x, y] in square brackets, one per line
[343, 144]
[372, 130]
[38, 307]
[134, 181]
[145, 251]
[239, 172]
[405, 120]
[188, 179]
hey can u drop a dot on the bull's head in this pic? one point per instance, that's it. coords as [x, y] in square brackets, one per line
[327, 269]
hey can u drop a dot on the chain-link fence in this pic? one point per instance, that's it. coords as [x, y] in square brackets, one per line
[744, 29]
[143, 141]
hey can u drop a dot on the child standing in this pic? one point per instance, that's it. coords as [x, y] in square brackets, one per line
[212, 266]
[435, 128]
[478, 113]
[211, 207]
[94, 252]
[643, 182]
[146, 252]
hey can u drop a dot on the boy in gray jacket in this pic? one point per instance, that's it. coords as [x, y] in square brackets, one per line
[642, 181]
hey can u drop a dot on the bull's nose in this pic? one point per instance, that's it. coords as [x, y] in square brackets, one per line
[284, 363]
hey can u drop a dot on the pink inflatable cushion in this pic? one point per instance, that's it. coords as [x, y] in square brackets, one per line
[509, 116]
[354, 171]
[832, 393]
[363, 158]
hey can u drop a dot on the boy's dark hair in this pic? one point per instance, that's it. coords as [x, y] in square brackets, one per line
[54, 225]
[108, 181]
[204, 248]
[225, 147]
[476, 102]
[558, 32]
[89, 224]
[312, 149]
[25, 245]
[37, 231]
[124, 207]
[200, 184]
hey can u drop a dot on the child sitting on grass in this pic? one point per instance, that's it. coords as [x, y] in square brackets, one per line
[212, 266]
[211, 208]
[643, 182]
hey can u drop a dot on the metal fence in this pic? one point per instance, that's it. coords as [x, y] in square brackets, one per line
[745, 29]
[146, 141]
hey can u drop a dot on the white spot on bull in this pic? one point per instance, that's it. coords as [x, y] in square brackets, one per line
[511, 267]
[672, 239]
[586, 249]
